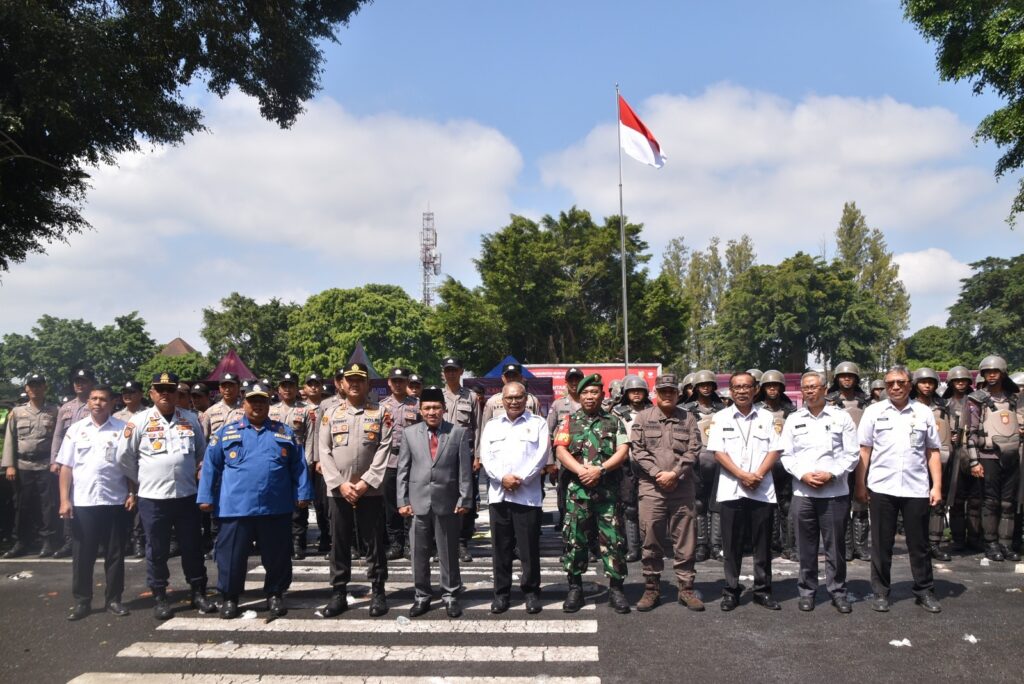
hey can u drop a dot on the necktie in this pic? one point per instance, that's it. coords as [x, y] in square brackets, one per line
[433, 445]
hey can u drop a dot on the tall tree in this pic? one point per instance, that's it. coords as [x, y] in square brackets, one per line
[82, 81]
[739, 257]
[122, 348]
[982, 43]
[258, 332]
[935, 347]
[188, 367]
[705, 284]
[466, 324]
[675, 261]
[391, 325]
[988, 316]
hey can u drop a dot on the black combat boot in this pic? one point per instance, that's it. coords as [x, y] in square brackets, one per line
[336, 606]
[200, 601]
[574, 599]
[632, 540]
[162, 609]
[616, 599]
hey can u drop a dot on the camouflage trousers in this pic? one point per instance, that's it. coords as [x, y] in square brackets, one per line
[580, 504]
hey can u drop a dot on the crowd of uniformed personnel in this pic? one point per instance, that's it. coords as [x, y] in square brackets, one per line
[682, 470]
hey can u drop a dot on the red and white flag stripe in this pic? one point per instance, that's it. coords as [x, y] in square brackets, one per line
[637, 141]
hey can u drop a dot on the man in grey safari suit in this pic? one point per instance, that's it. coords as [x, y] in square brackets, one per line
[435, 487]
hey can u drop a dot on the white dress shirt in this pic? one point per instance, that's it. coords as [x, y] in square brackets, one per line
[519, 448]
[900, 441]
[162, 455]
[826, 442]
[748, 440]
[90, 451]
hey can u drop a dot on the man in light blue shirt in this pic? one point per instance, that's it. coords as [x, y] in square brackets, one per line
[819, 449]
[514, 450]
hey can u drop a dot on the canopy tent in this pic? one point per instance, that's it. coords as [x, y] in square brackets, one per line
[231, 363]
[496, 371]
[359, 356]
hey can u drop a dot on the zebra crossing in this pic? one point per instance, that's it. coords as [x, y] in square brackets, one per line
[479, 648]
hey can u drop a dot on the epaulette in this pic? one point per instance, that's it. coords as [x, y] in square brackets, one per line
[980, 397]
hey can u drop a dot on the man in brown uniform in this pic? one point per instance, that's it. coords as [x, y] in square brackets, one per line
[462, 408]
[26, 461]
[665, 445]
[293, 412]
[229, 408]
[405, 411]
[82, 381]
[131, 395]
[355, 441]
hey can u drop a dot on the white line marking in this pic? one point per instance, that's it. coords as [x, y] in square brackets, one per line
[363, 603]
[306, 570]
[352, 652]
[183, 678]
[385, 626]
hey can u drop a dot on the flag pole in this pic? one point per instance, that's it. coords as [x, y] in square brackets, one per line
[622, 236]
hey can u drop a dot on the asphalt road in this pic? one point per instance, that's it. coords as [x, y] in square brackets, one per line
[985, 603]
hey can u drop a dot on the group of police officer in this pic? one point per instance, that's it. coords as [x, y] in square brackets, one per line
[684, 472]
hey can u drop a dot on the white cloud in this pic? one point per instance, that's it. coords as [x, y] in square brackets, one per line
[742, 161]
[336, 201]
[932, 277]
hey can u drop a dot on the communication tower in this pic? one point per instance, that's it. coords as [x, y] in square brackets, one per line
[430, 258]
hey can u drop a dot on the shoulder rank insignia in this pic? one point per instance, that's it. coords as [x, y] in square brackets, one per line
[128, 429]
[213, 440]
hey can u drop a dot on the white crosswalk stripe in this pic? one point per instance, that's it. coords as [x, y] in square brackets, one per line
[189, 678]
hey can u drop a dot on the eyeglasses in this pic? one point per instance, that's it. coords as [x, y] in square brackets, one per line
[514, 397]
[896, 383]
[742, 388]
[810, 388]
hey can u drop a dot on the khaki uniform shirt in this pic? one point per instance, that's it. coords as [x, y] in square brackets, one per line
[219, 415]
[462, 408]
[404, 413]
[298, 417]
[313, 437]
[354, 444]
[69, 413]
[29, 436]
[659, 443]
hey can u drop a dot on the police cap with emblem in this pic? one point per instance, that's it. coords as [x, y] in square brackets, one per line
[165, 379]
[257, 389]
[199, 388]
[287, 377]
[415, 379]
[451, 362]
[83, 374]
[313, 379]
[228, 377]
[573, 372]
[356, 370]
[512, 369]
[131, 386]
[35, 379]
[398, 374]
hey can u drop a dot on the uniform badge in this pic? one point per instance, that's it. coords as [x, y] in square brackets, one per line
[233, 454]
[325, 420]
[157, 445]
[284, 452]
[1005, 417]
[562, 436]
[128, 429]
[213, 441]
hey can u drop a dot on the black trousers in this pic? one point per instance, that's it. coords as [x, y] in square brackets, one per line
[823, 518]
[515, 525]
[884, 509]
[91, 527]
[368, 516]
[300, 517]
[37, 498]
[394, 523]
[159, 518]
[271, 533]
[7, 508]
[739, 517]
[469, 519]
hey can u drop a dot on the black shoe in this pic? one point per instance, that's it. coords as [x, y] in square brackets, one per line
[229, 608]
[48, 550]
[464, 555]
[806, 603]
[864, 555]
[323, 546]
[533, 604]
[938, 553]
[117, 608]
[929, 603]
[880, 604]
[419, 607]
[139, 548]
[717, 554]
[1008, 553]
[394, 552]
[994, 552]
[574, 599]
[79, 611]
[499, 604]
[16, 551]
[202, 603]
[702, 554]
[729, 601]
[208, 555]
[162, 610]
[276, 607]
[378, 604]
[407, 553]
[617, 600]
[174, 549]
[298, 550]
[842, 604]
[767, 601]
[453, 608]
[633, 556]
[336, 606]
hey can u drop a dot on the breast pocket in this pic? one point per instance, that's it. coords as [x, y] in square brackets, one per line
[917, 437]
[680, 441]
[234, 455]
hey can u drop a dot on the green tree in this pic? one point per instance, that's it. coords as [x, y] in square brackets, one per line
[464, 323]
[876, 275]
[663, 313]
[982, 43]
[739, 257]
[391, 325]
[935, 347]
[188, 367]
[257, 332]
[988, 316]
[706, 281]
[675, 261]
[122, 348]
[82, 81]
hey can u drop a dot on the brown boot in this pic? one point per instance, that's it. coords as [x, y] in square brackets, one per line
[652, 594]
[688, 597]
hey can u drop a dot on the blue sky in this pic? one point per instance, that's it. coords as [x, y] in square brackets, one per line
[771, 114]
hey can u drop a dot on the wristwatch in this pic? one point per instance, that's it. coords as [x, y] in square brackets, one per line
[603, 471]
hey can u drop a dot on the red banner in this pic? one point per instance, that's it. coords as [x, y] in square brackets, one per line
[608, 371]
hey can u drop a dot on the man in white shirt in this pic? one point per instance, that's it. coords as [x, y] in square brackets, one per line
[819, 449]
[91, 478]
[899, 454]
[514, 450]
[745, 445]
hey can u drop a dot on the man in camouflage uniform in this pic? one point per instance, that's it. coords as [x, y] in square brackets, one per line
[592, 445]
[293, 412]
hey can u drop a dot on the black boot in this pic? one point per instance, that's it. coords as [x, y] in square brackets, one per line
[616, 599]
[716, 538]
[16, 551]
[336, 606]
[938, 553]
[1006, 535]
[162, 609]
[574, 599]
[229, 608]
[994, 552]
[862, 538]
[139, 548]
[848, 540]
[200, 601]
[788, 536]
[378, 601]
[298, 548]
[632, 540]
[464, 555]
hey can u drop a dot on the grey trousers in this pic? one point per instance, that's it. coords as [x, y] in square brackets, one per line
[444, 530]
[827, 518]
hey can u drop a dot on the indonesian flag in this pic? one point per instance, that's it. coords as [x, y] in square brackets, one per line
[637, 141]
